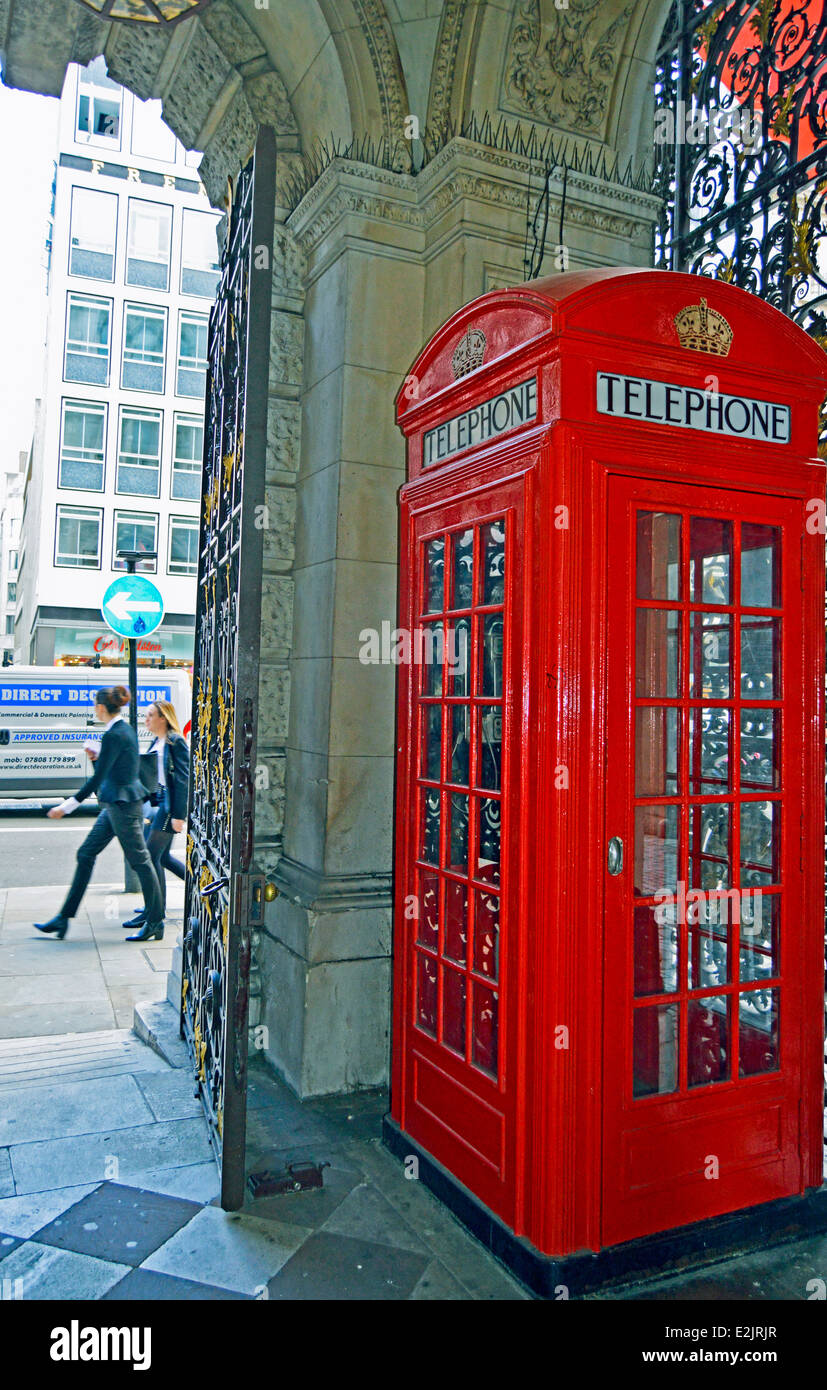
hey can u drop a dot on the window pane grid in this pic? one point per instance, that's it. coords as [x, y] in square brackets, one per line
[460, 1008]
[731, 809]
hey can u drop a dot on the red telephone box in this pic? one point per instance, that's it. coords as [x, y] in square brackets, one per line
[608, 1004]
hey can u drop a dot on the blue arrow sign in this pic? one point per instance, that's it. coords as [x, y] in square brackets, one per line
[133, 606]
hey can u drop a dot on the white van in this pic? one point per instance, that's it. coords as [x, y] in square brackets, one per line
[47, 714]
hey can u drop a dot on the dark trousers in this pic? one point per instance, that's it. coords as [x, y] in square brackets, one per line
[123, 819]
[159, 836]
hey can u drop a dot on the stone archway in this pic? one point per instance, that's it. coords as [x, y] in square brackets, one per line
[368, 258]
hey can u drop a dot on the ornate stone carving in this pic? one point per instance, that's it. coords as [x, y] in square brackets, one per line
[276, 615]
[562, 62]
[274, 704]
[231, 32]
[289, 263]
[384, 55]
[269, 102]
[283, 436]
[279, 534]
[229, 149]
[442, 80]
[286, 347]
[196, 88]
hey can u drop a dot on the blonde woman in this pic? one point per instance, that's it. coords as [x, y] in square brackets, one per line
[170, 816]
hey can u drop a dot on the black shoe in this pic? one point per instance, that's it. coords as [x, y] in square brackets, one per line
[150, 931]
[136, 921]
[58, 925]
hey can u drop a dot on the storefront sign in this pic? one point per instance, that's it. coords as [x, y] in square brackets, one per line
[513, 407]
[659, 402]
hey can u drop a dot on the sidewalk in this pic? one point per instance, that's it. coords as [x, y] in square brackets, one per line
[108, 1187]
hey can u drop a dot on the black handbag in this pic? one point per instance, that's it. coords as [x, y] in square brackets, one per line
[148, 773]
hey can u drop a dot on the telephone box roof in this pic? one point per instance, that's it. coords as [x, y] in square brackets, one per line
[637, 307]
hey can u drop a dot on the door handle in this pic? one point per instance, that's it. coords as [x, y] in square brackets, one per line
[615, 856]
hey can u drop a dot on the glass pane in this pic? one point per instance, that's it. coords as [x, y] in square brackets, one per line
[709, 857]
[710, 560]
[656, 750]
[760, 658]
[758, 1031]
[487, 934]
[709, 924]
[760, 748]
[656, 949]
[458, 655]
[428, 923]
[456, 920]
[760, 566]
[432, 655]
[658, 555]
[488, 852]
[657, 653]
[434, 574]
[426, 993]
[430, 825]
[491, 655]
[709, 669]
[493, 558]
[656, 850]
[484, 1030]
[708, 1050]
[709, 760]
[460, 744]
[431, 741]
[655, 1050]
[760, 841]
[463, 545]
[453, 1009]
[489, 746]
[458, 842]
[760, 935]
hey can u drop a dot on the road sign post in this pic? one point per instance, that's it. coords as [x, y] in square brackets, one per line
[133, 607]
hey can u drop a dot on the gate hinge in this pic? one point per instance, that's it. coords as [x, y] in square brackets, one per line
[293, 1177]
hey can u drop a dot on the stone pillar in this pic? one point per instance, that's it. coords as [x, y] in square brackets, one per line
[389, 257]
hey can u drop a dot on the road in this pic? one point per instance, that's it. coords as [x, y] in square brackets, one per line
[35, 850]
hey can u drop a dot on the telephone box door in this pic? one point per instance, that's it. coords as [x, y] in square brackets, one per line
[703, 877]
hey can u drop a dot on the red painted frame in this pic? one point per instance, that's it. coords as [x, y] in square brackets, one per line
[546, 1178]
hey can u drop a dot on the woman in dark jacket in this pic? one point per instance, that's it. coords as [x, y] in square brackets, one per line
[173, 754]
[120, 795]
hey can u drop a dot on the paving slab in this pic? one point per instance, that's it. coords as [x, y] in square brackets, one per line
[118, 1222]
[232, 1251]
[48, 1273]
[116, 1154]
[18, 1021]
[22, 1216]
[333, 1267]
[71, 987]
[198, 1181]
[6, 1176]
[71, 1108]
[169, 1095]
[42, 1061]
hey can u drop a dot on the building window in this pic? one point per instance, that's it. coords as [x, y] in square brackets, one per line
[183, 545]
[135, 531]
[192, 355]
[88, 325]
[78, 537]
[92, 235]
[149, 230]
[11, 593]
[139, 452]
[151, 138]
[82, 445]
[144, 339]
[199, 254]
[13, 561]
[187, 453]
[99, 116]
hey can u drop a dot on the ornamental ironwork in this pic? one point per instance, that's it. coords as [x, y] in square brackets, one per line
[217, 940]
[741, 149]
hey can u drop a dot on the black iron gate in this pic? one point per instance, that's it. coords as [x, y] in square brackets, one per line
[223, 899]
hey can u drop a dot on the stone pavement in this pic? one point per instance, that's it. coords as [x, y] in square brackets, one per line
[90, 980]
[108, 1187]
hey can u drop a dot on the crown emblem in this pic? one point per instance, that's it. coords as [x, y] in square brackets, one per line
[703, 329]
[468, 353]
